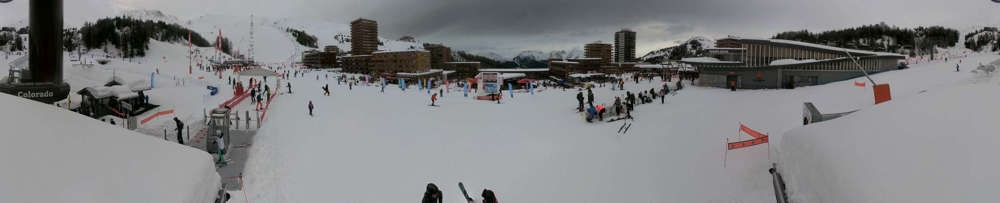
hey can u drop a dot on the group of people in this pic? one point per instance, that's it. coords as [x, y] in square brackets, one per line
[623, 105]
[434, 195]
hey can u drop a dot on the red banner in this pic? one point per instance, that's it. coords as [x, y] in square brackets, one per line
[747, 143]
[859, 84]
[157, 114]
[751, 132]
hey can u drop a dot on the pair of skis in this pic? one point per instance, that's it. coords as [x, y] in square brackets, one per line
[625, 126]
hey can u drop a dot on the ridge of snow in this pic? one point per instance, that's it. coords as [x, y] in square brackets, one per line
[72, 158]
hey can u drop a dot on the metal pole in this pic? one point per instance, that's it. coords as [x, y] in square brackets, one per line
[860, 68]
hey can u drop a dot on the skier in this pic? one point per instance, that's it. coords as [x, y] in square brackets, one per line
[289, 87]
[310, 108]
[180, 130]
[590, 97]
[433, 98]
[350, 85]
[326, 90]
[663, 97]
[956, 65]
[432, 194]
[618, 106]
[579, 101]
[441, 92]
[253, 96]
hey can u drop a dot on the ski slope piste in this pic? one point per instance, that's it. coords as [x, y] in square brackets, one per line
[60, 156]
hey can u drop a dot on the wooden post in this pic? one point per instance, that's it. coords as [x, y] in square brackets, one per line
[248, 119]
[725, 153]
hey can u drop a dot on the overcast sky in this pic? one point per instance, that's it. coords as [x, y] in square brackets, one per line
[509, 26]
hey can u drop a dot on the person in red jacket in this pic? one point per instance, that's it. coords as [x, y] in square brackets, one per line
[434, 97]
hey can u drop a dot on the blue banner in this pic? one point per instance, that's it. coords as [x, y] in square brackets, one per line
[152, 76]
[510, 88]
[531, 87]
[402, 84]
[466, 89]
[428, 83]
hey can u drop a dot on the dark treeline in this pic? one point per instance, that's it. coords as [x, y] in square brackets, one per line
[131, 36]
[879, 37]
[486, 62]
[302, 37]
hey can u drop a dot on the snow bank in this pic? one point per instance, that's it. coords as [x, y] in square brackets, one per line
[60, 156]
[938, 146]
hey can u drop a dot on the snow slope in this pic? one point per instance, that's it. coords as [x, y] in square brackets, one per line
[59, 156]
[273, 44]
[937, 146]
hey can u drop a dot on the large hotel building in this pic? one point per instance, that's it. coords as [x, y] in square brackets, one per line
[625, 46]
[598, 50]
[364, 36]
[775, 63]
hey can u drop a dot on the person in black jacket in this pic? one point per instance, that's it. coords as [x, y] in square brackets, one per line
[590, 96]
[432, 194]
[489, 196]
[180, 130]
[579, 101]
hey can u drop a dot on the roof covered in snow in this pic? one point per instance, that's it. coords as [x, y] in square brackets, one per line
[820, 46]
[705, 60]
[514, 70]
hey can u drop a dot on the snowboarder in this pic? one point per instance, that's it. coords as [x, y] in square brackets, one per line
[432, 194]
[180, 130]
[579, 101]
[310, 108]
[433, 98]
[326, 90]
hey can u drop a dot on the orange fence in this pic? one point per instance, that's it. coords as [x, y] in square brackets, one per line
[157, 114]
[751, 132]
[747, 143]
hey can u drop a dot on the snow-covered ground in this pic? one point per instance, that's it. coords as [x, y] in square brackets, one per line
[55, 155]
[365, 146]
[938, 146]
